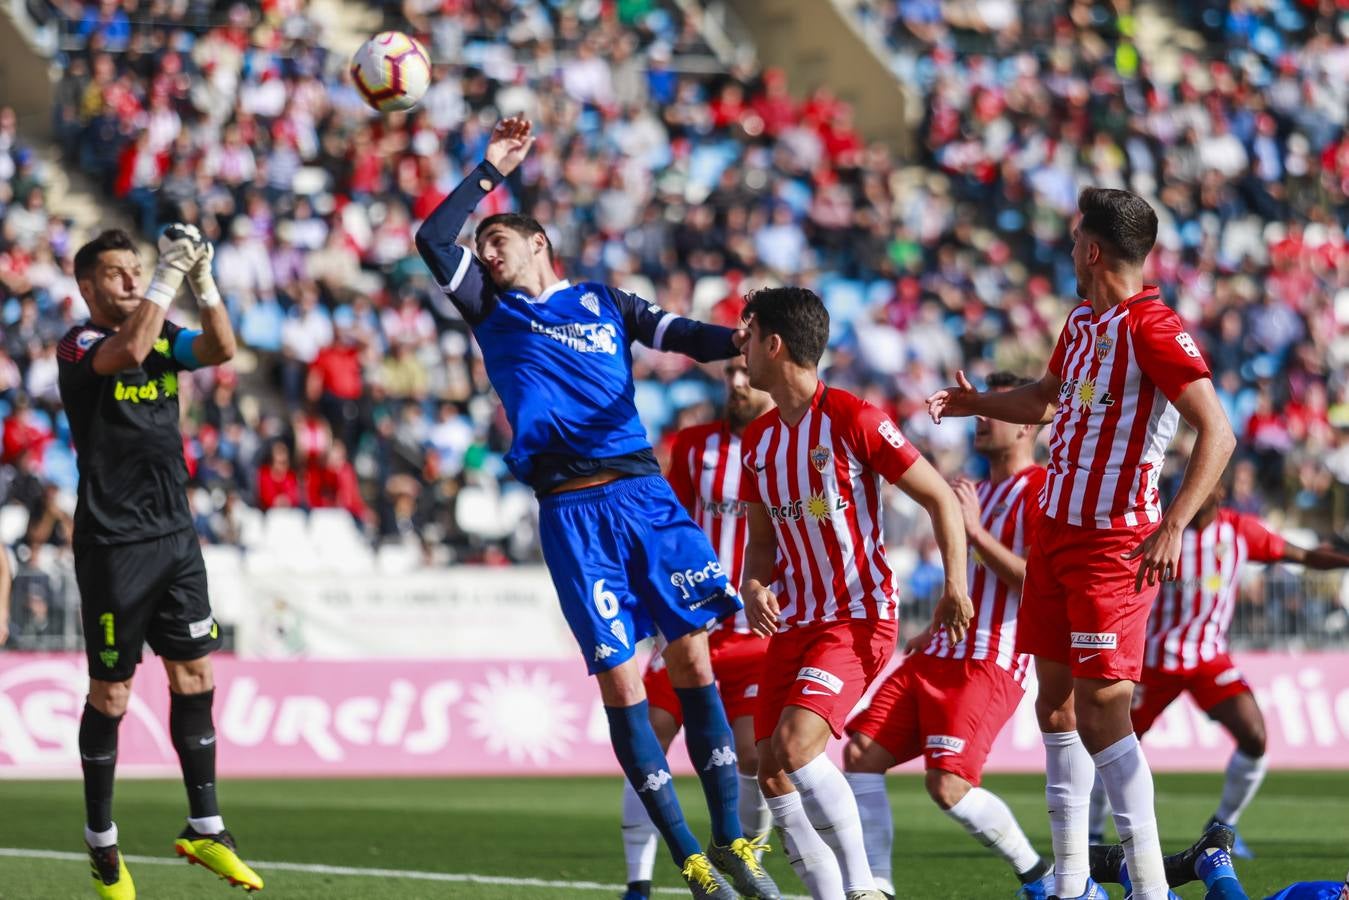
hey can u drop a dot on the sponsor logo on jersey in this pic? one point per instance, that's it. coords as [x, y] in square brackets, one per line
[891, 434]
[791, 511]
[821, 677]
[592, 337]
[108, 657]
[163, 387]
[1187, 344]
[689, 577]
[1095, 640]
[819, 457]
[591, 302]
[202, 629]
[161, 346]
[86, 339]
[655, 781]
[603, 651]
[952, 745]
[721, 756]
[1228, 677]
[731, 509]
[1103, 347]
[1083, 391]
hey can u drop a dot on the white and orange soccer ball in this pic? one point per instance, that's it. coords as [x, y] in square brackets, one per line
[391, 71]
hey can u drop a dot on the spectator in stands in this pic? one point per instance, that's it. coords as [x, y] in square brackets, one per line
[336, 382]
[278, 484]
[332, 484]
[24, 434]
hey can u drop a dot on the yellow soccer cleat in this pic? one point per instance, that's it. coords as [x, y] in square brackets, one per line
[704, 881]
[216, 852]
[112, 881]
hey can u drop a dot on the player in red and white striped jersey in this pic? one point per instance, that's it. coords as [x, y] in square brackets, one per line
[1123, 373]
[705, 472]
[813, 470]
[1187, 645]
[949, 700]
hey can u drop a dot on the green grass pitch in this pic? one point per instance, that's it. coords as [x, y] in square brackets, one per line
[566, 830]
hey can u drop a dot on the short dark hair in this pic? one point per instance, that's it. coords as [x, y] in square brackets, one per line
[1004, 379]
[86, 258]
[520, 224]
[1121, 219]
[795, 314]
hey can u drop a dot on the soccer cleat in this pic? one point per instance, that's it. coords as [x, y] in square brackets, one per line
[864, 895]
[740, 864]
[703, 880]
[1214, 863]
[638, 891]
[1180, 867]
[1105, 862]
[216, 853]
[1238, 847]
[1038, 890]
[1093, 892]
[112, 881]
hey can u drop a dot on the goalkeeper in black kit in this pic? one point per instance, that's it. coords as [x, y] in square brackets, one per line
[137, 561]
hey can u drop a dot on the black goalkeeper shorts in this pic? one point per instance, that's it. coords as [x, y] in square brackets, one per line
[148, 592]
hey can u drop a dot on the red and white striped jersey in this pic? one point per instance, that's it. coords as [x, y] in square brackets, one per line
[1008, 511]
[820, 483]
[1191, 615]
[706, 474]
[1121, 372]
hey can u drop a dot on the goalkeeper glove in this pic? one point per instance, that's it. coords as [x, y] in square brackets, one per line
[180, 246]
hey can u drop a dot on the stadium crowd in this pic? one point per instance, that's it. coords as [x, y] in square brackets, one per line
[688, 187]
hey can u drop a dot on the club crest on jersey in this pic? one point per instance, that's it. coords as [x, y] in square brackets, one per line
[591, 302]
[620, 631]
[1103, 347]
[819, 457]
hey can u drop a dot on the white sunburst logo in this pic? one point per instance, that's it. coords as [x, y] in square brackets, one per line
[524, 716]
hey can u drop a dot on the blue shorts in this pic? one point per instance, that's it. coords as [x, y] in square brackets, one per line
[626, 560]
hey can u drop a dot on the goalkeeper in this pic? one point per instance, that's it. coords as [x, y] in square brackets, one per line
[137, 561]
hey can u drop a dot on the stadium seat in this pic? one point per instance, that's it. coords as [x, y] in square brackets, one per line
[338, 543]
[489, 515]
[398, 559]
[13, 523]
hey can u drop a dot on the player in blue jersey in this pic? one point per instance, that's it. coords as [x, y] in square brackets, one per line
[625, 557]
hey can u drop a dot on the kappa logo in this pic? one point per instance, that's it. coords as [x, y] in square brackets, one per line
[1094, 640]
[721, 756]
[655, 781]
[1187, 344]
[591, 302]
[949, 745]
[891, 434]
[603, 652]
[819, 676]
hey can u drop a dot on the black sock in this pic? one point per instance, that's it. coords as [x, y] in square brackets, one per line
[193, 734]
[640, 887]
[98, 758]
[1038, 871]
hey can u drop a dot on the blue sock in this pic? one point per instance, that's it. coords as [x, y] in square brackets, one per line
[1220, 877]
[712, 751]
[645, 765]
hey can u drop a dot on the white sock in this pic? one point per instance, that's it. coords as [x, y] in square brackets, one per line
[1244, 775]
[639, 837]
[829, 804]
[1128, 783]
[878, 826]
[755, 819]
[101, 838]
[989, 821]
[807, 853]
[1100, 809]
[207, 824]
[1068, 775]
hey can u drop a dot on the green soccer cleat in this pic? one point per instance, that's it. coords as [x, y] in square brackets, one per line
[740, 863]
[216, 853]
[703, 880]
[112, 881]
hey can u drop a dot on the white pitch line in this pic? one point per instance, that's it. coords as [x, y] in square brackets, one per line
[356, 872]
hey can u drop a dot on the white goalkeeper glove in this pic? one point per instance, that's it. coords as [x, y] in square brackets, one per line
[180, 246]
[202, 281]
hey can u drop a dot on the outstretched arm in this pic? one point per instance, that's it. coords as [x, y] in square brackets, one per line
[1031, 404]
[1322, 557]
[661, 330]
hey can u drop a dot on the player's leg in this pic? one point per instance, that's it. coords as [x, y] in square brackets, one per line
[755, 819]
[1068, 777]
[640, 837]
[809, 856]
[184, 633]
[1152, 695]
[1228, 700]
[865, 763]
[738, 665]
[987, 819]
[103, 711]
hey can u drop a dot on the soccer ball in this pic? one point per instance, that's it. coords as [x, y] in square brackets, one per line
[391, 70]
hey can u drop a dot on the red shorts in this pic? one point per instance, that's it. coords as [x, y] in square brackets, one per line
[948, 710]
[1079, 605]
[1210, 683]
[824, 667]
[737, 662]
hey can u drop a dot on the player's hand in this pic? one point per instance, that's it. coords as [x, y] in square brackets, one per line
[180, 246]
[1160, 555]
[510, 143]
[919, 640]
[201, 280]
[740, 337]
[970, 511]
[953, 614]
[761, 609]
[952, 401]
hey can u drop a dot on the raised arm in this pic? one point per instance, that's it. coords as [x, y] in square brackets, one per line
[214, 343]
[1323, 557]
[1009, 568]
[462, 278]
[661, 330]
[1031, 404]
[133, 341]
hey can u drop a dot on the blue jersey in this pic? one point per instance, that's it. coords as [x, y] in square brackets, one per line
[561, 362]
